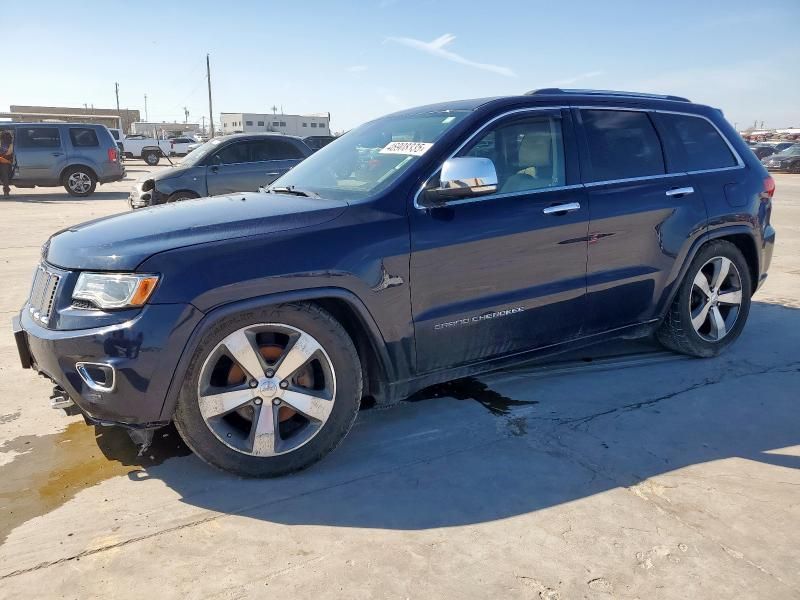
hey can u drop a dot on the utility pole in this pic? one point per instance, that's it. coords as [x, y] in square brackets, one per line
[204, 123]
[185, 115]
[146, 119]
[210, 106]
[119, 117]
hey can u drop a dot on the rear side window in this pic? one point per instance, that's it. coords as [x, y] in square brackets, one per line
[622, 144]
[274, 149]
[704, 146]
[38, 137]
[83, 137]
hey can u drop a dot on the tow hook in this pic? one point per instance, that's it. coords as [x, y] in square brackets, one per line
[142, 438]
[60, 399]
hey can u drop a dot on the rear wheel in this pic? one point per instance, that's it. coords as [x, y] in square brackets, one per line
[712, 304]
[151, 157]
[270, 391]
[79, 181]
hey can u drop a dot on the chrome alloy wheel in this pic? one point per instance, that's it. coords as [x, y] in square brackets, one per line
[715, 299]
[266, 389]
[79, 182]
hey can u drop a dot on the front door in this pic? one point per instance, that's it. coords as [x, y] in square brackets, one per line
[504, 273]
[39, 154]
[227, 168]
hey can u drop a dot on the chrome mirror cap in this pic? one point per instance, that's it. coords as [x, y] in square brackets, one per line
[462, 177]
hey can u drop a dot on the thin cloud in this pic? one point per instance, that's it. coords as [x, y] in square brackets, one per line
[437, 48]
[356, 68]
[575, 79]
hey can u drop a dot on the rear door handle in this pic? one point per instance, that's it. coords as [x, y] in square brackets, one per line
[684, 191]
[273, 174]
[58, 154]
[562, 208]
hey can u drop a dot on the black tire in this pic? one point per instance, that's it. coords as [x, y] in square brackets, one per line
[795, 167]
[677, 332]
[151, 157]
[346, 368]
[183, 195]
[79, 181]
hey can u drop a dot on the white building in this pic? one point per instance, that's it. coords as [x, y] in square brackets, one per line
[299, 125]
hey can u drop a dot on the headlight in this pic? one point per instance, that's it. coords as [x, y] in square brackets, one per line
[114, 290]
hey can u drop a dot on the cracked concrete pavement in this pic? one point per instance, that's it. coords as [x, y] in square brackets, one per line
[622, 471]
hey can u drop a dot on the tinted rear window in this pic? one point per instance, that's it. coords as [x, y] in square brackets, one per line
[274, 149]
[38, 137]
[622, 144]
[83, 137]
[704, 146]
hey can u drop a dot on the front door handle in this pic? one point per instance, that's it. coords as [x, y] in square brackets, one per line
[562, 208]
[273, 174]
[678, 192]
[58, 154]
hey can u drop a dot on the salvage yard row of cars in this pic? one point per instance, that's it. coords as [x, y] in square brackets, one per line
[434, 243]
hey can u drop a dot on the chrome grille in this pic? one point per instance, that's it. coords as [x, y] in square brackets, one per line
[43, 294]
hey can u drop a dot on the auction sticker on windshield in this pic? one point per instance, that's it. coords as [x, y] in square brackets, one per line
[411, 148]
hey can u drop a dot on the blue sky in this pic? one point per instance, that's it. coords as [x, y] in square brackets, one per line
[359, 60]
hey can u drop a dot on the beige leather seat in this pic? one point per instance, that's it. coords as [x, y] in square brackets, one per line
[536, 163]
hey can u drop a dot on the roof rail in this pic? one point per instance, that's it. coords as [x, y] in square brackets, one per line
[558, 91]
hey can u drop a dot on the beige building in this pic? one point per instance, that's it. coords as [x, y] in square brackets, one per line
[110, 117]
[299, 125]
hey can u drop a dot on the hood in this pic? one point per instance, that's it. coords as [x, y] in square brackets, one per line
[122, 242]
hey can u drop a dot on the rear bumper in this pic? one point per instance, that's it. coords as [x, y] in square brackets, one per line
[141, 353]
[766, 253]
[113, 172]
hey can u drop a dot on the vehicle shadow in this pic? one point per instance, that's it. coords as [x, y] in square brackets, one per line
[445, 462]
[57, 198]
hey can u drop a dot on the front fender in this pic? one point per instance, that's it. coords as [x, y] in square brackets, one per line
[377, 342]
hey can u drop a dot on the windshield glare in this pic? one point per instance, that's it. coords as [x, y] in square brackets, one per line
[370, 157]
[199, 153]
[790, 151]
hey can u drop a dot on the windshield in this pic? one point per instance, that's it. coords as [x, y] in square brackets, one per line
[370, 157]
[790, 151]
[199, 153]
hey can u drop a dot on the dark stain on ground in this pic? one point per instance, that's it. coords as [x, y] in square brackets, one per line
[50, 469]
[10, 417]
[470, 388]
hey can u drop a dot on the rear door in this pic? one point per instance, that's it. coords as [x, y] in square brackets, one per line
[39, 153]
[643, 209]
[85, 147]
[504, 273]
[272, 157]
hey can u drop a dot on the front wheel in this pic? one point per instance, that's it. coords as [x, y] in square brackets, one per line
[270, 391]
[712, 304]
[80, 182]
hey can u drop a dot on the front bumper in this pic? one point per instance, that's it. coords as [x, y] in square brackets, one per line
[142, 353]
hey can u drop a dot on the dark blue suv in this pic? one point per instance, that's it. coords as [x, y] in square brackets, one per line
[430, 244]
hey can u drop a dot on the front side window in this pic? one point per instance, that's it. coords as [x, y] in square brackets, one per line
[370, 157]
[528, 154]
[622, 144]
[704, 146]
[231, 155]
[83, 137]
[38, 137]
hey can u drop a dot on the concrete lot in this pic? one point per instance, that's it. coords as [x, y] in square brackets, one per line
[624, 472]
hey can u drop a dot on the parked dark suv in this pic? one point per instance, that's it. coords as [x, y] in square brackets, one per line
[224, 165]
[427, 245]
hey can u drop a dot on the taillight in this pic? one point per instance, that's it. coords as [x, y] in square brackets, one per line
[769, 187]
[112, 155]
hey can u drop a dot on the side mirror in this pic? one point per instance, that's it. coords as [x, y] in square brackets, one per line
[463, 177]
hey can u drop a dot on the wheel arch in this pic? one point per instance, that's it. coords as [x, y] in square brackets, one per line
[739, 235]
[62, 176]
[343, 305]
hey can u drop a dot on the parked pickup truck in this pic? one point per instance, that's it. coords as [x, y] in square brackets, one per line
[150, 150]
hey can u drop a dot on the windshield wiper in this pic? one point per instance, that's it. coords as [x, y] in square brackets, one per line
[290, 189]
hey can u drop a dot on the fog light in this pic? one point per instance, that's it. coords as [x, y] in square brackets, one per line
[98, 376]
